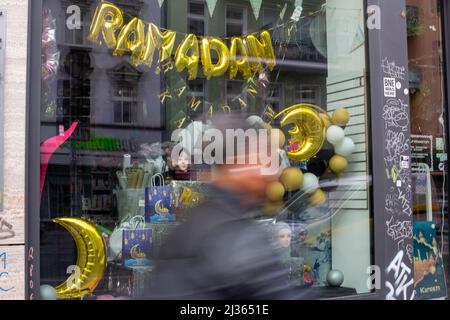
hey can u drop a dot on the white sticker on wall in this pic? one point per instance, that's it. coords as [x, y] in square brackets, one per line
[390, 90]
[404, 162]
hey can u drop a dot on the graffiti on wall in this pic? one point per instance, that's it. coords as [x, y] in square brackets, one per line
[4, 272]
[398, 198]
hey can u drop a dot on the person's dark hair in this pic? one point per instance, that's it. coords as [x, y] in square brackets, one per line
[231, 121]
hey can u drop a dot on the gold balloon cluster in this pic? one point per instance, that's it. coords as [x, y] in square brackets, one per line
[91, 260]
[246, 55]
[311, 127]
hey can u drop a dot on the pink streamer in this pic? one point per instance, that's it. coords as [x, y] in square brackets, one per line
[49, 147]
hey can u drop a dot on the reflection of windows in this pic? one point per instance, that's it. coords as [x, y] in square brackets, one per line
[413, 24]
[274, 96]
[270, 20]
[196, 17]
[195, 97]
[235, 92]
[308, 94]
[236, 21]
[125, 105]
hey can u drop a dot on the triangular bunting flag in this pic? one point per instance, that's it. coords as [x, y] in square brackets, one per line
[161, 2]
[256, 6]
[211, 6]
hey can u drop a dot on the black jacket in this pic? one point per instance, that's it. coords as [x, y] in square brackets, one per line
[219, 252]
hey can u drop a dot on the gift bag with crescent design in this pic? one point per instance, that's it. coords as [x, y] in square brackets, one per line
[137, 247]
[159, 201]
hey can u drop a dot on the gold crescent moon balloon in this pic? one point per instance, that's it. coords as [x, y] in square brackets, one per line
[91, 258]
[308, 134]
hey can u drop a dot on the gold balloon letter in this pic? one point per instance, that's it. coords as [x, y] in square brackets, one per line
[239, 59]
[107, 19]
[261, 51]
[155, 39]
[183, 61]
[218, 69]
[308, 134]
[131, 38]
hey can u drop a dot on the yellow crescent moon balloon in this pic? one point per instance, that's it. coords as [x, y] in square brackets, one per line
[91, 258]
[309, 132]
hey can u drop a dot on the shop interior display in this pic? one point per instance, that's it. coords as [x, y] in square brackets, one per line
[128, 201]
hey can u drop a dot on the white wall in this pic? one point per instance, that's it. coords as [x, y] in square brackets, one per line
[16, 14]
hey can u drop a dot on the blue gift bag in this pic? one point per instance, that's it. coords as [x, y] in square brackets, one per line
[159, 201]
[137, 247]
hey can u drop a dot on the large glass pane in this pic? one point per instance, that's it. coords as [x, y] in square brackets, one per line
[429, 148]
[123, 205]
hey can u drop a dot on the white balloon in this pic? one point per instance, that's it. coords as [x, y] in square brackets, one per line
[310, 183]
[335, 135]
[345, 148]
[48, 292]
[255, 120]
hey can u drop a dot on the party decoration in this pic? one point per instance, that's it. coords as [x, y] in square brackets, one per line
[155, 39]
[183, 61]
[91, 259]
[345, 148]
[131, 38]
[310, 183]
[48, 148]
[308, 134]
[238, 49]
[211, 6]
[317, 166]
[326, 119]
[338, 164]
[256, 6]
[340, 117]
[160, 2]
[261, 51]
[246, 54]
[327, 152]
[275, 191]
[278, 135]
[218, 69]
[292, 179]
[107, 19]
[335, 278]
[255, 121]
[335, 135]
[297, 11]
[271, 209]
[50, 52]
[266, 126]
[47, 292]
[317, 198]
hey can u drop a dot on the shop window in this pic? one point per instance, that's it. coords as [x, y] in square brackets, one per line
[114, 176]
[429, 144]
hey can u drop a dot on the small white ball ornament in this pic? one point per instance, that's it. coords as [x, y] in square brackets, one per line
[335, 135]
[255, 121]
[310, 183]
[345, 148]
[48, 292]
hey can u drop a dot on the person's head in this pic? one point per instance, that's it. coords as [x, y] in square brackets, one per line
[247, 160]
